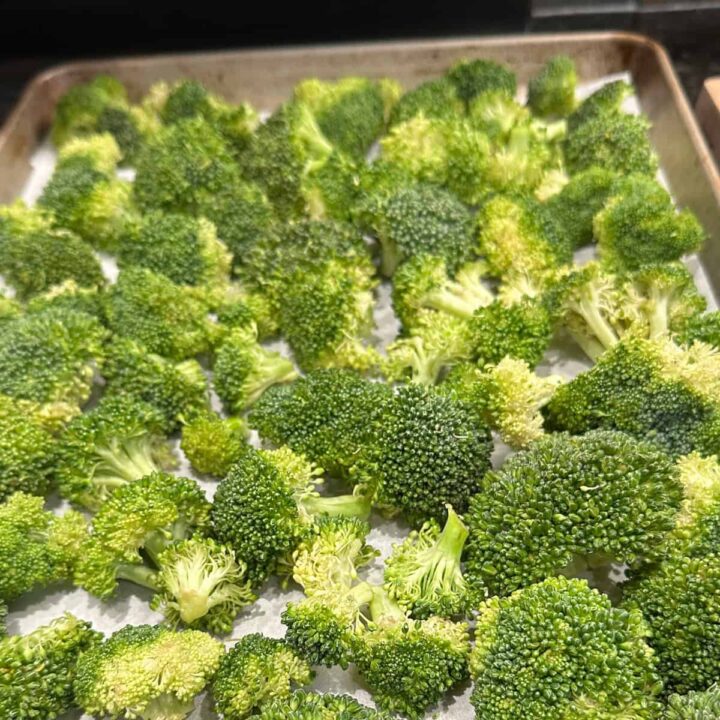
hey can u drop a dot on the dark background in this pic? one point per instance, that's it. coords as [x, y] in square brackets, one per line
[36, 35]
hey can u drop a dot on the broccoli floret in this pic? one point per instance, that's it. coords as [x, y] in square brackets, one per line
[118, 442]
[601, 497]
[66, 296]
[434, 99]
[49, 358]
[552, 91]
[147, 671]
[255, 671]
[150, 309]
[309, 706]
[186, 250]
[471, 163]
[34, 256]
[178, 390]
[639, 226]
[37, 548]
[240, 307]
[575, 206]
[331, 190]
[694, 705]
[508, 395]
[496, 113]
[326, 415]
[559, 649]
[39, 668]
[425, 451]
[409, 665]
[351, 112]
[703, 328]
[213, 444]
[517, 232]
[423, 573]
[423, 219]
[607, 100]
[243, 369]
[264, 505]
[472, 78]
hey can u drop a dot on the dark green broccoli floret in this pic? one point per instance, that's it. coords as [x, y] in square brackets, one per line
[552, 90]
[34, 256]
[326, 415]
[559, 649]
[38, 669]
[601, 497]
[166, 318]
[475, 77]
[178, 390]
[118, 442]
[213, 444]
[150, 672]
[434, 99]
[255, 671]
[694, 705]
[310, 706]
[37, 548]
[607, 100]
[700, 328]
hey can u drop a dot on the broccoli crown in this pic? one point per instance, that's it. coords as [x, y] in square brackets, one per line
[703, 328]
[27, 451]
[49, 358]
[517, 232]
[68, 295]
[476, 77]
[425, 451]
[302, 705]
[602, 496]
[255, 671]
[640, 227]
[33, 259]
[434, 99]
[179, 391]
[243, 369]
[326, 415]
[610, 140]
[119, 441]
[331, 190]
[423, 219]
[167, 319]
[703, 705]
[213, 444]
[559, 649]
[472, 165]
[676, 600]
[184, 249]
[146, 671]
[575, 206]
[39, 668]
[37, 548]
[606, 100]
[552, 90]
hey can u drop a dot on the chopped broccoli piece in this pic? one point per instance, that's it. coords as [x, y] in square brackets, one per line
[703, 328]
[213, 444]
[331, 190]
[438, 98]
[552, 91]
[495, 113]
[695, 705]
[472, 78]
[309, 706]
[68, 295]
[606, 100]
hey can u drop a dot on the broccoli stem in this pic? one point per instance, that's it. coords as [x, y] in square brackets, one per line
[461, 305]
[658, 317]
[271, 370]
[358, 506]
[453, 536]
[139, 574]
[166, 707]
[603, 331]
[383, 609]
[129, 460]
[159, 541]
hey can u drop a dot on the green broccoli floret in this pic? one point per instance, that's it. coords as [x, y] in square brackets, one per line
[38, 669]
[186, 250]
[310, 706]
[558, 649]
[3, 619]
[438, 98]
[423, 219]
[150, 309]
[326, 415]
[472, 78]
[34, 256]
[255, 671]
[331, 190]
[517, 232]
[240, 308]
[66, 296]
[509, 396]
[350, 112]
[575, 206]
[213, 444]
[178, 390]
[639, 226]
[496, 113]
[607, 100]
[149, 672]
[601, 497]
[423, 573]
[552, 91]
[28, 452]
[409, 665]
[423, 452]
[243, 369]
[704, 705]
[49, 358]
[703, 328]
[265, 504]
[118, 442]
[472, 163]
[84, 195]
[37, 548]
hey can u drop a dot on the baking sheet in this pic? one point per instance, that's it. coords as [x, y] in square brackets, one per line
[131, 603]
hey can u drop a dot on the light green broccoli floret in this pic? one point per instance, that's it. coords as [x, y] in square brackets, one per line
[68, 295]
[309, 706]
[552, 91]
[704, 705]
[213, 444]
